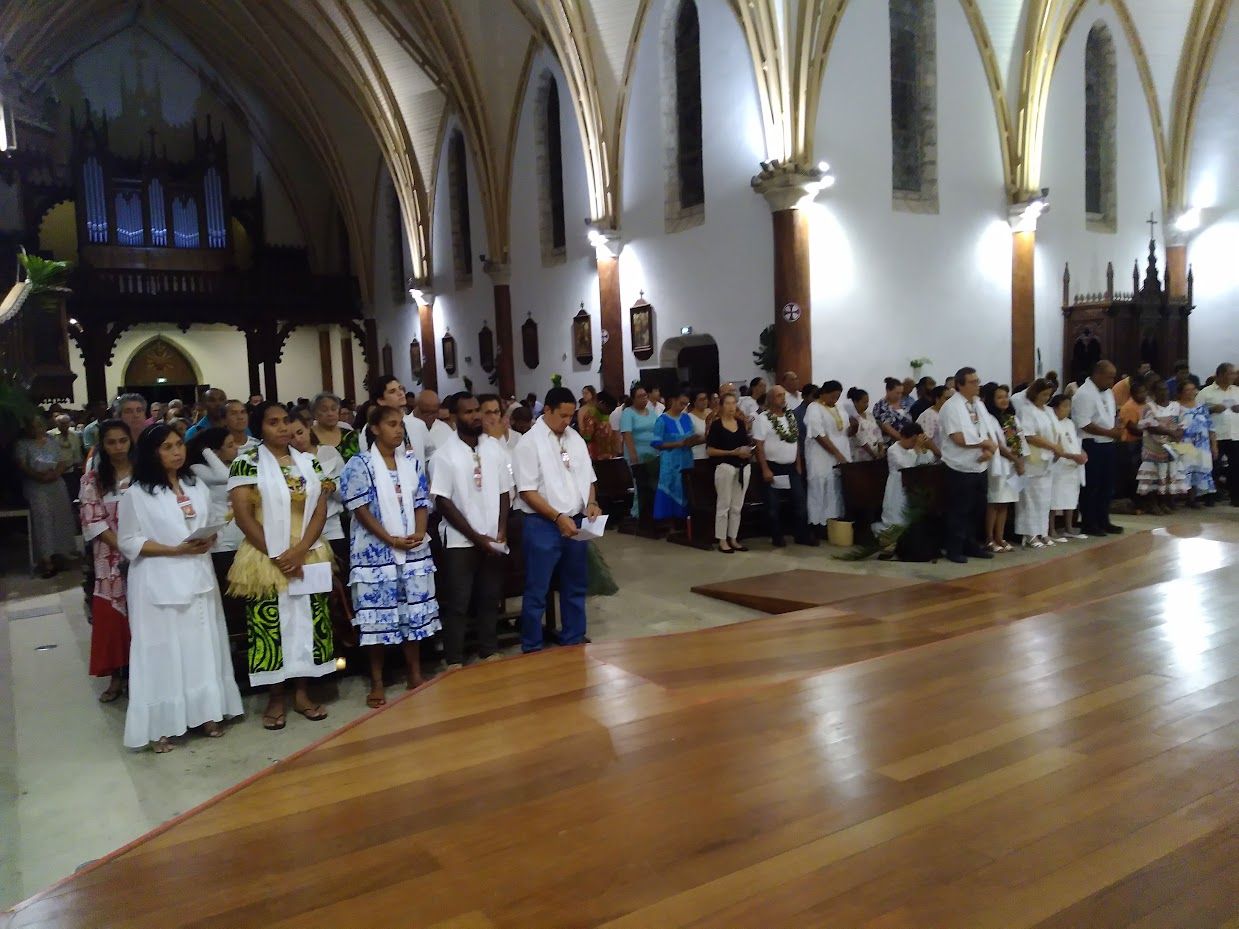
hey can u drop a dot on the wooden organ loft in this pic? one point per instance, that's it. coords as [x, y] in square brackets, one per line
[165, 241]
[1148, 324]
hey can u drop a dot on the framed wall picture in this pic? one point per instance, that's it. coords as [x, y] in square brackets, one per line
[583, 337]
[449, 354]
[529, 342]
[486, 348]
[641, 328]
[415, 360]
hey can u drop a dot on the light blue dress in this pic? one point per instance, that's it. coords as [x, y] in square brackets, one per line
[392, 603]
[670, 499]
[1198, 471]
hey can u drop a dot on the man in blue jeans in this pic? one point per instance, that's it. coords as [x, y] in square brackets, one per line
[555, 482]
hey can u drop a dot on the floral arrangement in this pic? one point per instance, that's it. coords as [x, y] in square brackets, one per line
[918, 363]
[557, 380]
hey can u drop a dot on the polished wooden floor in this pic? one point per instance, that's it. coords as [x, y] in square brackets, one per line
[1054, 746]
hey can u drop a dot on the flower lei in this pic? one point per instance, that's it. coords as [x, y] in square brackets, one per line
[785, 426]
[1011, 430]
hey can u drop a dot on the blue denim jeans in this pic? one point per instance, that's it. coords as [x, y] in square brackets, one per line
[545, 550]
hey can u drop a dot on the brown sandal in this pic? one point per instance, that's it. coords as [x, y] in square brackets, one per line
[274, 722]
[375, 700]
[313, 713]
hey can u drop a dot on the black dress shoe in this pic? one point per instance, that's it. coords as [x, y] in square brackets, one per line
[958, 559]
[1092, 531]
[779, 543]
[1112, 529]
[980, 553]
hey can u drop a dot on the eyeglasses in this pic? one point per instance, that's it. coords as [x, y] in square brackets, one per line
[477, 470]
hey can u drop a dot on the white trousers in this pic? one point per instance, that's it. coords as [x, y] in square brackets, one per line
[730, 490]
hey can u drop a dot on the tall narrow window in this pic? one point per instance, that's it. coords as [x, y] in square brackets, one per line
[1100, 105]
[555, 167]
[914, 176]
[458, 185]
[551, 173]
[688, 106]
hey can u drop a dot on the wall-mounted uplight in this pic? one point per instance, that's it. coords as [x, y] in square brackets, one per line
[419, 292]
[161, 380]
[1023, 216]
[1189, 220]
[606, 243]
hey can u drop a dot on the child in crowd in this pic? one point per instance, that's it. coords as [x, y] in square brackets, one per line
[1068, 473]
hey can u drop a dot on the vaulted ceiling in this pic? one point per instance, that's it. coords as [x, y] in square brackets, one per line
[402, 68]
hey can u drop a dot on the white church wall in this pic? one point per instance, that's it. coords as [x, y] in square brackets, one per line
[1213, 187]
[216, 352]
[397, 320]
[1061, 234]
[715, 277]
[890, 286]
[552, 294]
[460, 308]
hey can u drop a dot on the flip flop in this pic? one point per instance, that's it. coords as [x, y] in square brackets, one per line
[313, 713]
[274, 723]
[375, 702]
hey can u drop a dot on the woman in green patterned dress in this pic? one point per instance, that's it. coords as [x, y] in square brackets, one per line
[279, 501]
[329, 429]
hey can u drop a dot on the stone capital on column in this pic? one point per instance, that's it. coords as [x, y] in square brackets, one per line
[500, 272]
[788, 186]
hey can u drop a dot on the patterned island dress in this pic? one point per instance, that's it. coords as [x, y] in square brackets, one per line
[393, 603]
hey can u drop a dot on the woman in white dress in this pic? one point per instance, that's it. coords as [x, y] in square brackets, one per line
[180, 675]
[864, 435]
[1068, 470]
[826, 446]
[304, 440]
[702, 415]
[1005, 430]
[911, 450]
[1032, 512]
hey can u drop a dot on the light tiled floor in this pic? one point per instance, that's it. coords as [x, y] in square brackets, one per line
[71, 792]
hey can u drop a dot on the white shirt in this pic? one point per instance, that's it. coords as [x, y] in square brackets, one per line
[440, 433]
[793, 399]
[748, 406]
[777, 451]
[1091, 406]
[614, 418]
[659, 408]
[1226, 424]
[829, 423]
[931, 422]
[699, 428]
[539, 467]
[1042, 423]
[958, 415]
[418, 437]
[455, 467]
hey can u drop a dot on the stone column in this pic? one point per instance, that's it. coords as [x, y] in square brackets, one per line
[505, 357]
[786, 188]
[430, 356]
[1023, 307]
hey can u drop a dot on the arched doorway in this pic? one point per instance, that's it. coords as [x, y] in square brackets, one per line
[693, 358]
[160, 370]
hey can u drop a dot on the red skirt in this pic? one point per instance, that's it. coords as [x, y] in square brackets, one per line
[109, 639]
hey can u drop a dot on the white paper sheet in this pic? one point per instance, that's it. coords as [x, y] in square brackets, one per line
[1017, 482]
[782, 482]
[205, 532]
[500, 548]
[315, 579]
[592, 528]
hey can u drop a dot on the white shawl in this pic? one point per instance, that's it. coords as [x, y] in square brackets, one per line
[397, 520]
[276, 500]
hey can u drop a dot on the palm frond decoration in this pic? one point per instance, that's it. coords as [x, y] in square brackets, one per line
[915, 509]
[766, 357]
[44, 274]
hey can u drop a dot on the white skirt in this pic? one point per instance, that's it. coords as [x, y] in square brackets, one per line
[1000, 491]
[1032, 510]
[1065, 490]
[824, 496]
[180, 674]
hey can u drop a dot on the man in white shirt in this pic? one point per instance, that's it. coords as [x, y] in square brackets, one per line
[656, 401]
[755, 400]
[471, 488]
[1094, 413]
[776, 435]
[1222, 398]
[790, 382]
[555, 481]
[966, 451]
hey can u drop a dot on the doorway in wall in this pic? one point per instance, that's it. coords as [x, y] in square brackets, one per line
[694, 358]
[160, 370]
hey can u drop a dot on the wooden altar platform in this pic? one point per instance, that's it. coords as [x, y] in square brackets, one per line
[1079, 768]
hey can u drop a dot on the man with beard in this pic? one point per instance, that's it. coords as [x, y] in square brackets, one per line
[471, 487]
